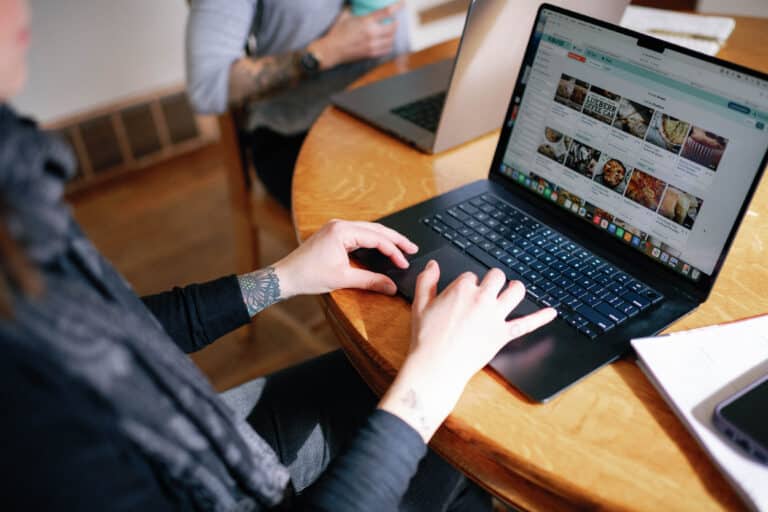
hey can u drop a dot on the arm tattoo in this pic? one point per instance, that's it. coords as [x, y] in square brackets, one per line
[260, 289]
[412, 402]
[259, 77]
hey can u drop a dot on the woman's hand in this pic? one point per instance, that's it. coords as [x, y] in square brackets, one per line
[354, 38]
[321, 264]
[453, 336]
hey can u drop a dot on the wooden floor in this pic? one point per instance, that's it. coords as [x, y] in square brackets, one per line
[170, 225]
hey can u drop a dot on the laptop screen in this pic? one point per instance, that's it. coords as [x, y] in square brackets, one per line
[658, 149]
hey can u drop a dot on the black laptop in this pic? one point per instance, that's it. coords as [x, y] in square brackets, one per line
[622, 173]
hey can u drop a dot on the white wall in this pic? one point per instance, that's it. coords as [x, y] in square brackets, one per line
[735, 7]
[85, 53]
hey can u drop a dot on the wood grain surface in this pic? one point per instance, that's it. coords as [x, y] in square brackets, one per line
[609, 442]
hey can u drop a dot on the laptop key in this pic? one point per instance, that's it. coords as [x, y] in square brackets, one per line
[545, 285]
[439, 227]
[549, 301]
[603, 322]
[535, 292]
[487, 246]
[462, 243]
[637, 300]
[627, 308]
[476, 239]
[452, 222]
[612, 313]
[589, 331]
[653, 295]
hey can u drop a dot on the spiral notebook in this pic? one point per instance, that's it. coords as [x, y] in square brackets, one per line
[694, 371]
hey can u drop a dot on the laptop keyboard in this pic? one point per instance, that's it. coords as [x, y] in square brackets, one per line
[424, 112]
[589, 293]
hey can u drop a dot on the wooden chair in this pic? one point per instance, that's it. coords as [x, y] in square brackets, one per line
[255, 212]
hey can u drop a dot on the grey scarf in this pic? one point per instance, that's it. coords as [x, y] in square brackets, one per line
[95, 329]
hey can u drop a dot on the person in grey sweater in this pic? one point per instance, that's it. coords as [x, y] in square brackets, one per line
[300, 52]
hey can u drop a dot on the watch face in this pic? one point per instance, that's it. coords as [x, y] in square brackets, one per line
[310, 63]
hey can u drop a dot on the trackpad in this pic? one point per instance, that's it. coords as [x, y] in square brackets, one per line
[452, 264]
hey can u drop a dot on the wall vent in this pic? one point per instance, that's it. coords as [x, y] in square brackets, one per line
[132, 134]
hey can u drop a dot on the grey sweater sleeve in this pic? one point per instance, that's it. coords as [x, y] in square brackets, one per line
[216, 35]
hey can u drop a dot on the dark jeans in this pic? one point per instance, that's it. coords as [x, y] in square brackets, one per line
[309, 412]
[274, 157]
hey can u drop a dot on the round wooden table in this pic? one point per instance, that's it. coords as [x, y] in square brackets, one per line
[610, 441]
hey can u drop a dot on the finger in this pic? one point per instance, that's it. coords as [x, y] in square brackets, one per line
[367, 280]
[426, 286]
[386, 12]
[354, 237]
[377, 30]
[523, 325]
[397, 238]
[512, 295]
[492, 283]
[380, 50]
[464, 282]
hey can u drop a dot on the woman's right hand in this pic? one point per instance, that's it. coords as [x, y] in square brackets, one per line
[354, 38]
[453, 336]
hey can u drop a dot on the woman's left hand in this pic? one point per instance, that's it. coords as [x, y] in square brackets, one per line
[321, 264]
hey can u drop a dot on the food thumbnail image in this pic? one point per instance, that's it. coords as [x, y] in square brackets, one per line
[571, 92]
[704, 147]
[645, 189]
[667, 132]
[601, 105]
[633, 118]
[582, 158]
[680, 206]
[554, 145]
[612, 173]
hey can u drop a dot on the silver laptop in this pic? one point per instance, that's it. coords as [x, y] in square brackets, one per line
[442, 105]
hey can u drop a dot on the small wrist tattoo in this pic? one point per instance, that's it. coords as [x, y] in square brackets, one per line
[260, 289]
[412, 402]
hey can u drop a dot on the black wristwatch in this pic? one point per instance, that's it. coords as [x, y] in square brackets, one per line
[309, 64]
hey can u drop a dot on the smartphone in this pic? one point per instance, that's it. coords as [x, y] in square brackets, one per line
[743, 418]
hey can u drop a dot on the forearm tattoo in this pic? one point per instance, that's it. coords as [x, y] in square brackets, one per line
[262, 76]
[260, 289]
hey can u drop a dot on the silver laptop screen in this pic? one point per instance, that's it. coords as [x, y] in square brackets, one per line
[658, 149]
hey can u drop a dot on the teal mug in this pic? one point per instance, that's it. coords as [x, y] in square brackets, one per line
[363, 7]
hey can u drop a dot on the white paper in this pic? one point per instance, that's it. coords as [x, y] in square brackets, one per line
[696, 370]
[680, 28]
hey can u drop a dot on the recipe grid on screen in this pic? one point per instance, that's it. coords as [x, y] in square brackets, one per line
[658, 149]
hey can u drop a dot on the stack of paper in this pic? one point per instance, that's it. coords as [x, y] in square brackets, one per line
[696, 370]
[705, 34]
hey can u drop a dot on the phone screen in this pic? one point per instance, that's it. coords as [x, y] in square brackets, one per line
[749, 413]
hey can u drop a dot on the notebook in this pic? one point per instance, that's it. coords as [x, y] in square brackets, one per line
[705, 34]
[694, 371]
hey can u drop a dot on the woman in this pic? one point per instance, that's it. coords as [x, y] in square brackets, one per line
[103, 411]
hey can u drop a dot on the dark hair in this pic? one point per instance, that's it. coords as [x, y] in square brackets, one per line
[17, 274]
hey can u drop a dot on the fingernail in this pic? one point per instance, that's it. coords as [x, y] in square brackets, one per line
[431, 264]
